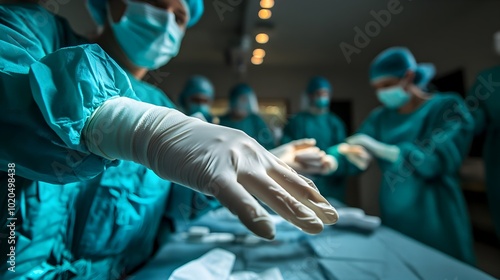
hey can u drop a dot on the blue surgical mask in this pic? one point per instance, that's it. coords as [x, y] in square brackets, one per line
[322, 102]
[393, 97]
[195, 108]
[148, 35]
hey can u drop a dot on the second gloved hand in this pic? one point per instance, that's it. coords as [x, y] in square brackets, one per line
[355, 154]
[215, 160]
[383, 151]
[303, 156]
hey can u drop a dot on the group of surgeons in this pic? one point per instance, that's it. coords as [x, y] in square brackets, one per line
[104, 161]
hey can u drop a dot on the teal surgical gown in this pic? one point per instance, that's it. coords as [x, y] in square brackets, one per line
[78, 215]
[328, 130]
[420, 194]
[254, 126]
[484, 103]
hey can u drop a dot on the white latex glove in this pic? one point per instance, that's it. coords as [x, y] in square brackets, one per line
[310, 165]
[217, 264]
[269, 274]
[356, 154]
[214, 265]
[355, 217]
[304, 157]
[212, 159]
[378, 149]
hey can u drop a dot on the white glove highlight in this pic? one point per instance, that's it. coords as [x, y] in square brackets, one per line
[215, 160]
[383, 151]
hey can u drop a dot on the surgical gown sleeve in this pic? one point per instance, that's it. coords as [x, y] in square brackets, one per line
[443, 146]
[47, 92]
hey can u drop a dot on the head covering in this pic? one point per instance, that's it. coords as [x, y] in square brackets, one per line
[316, 83]
[97, 9]
[392, 63]
[196, 85]
[424, 74]
[250, 100]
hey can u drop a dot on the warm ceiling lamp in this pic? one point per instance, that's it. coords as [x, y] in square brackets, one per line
[257, 60]
[259, 53]
[262, 38]
[265, 14]
[266, 4]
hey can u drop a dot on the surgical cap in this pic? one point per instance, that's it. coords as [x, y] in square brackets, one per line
[392, 63]
[239, 90]
[317, 83]
[424, 74]
[97, 9]
[197, 85]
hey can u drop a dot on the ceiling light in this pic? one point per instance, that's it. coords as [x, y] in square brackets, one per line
[259, 53]
[262, 38]
[267, 4]
[257, 60]
[265, 14]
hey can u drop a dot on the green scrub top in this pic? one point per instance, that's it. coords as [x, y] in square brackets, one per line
[420, 195]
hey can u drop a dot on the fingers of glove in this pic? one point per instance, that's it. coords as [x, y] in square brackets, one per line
[303, 143]
[311, 164]
[309, 154]
[309, 196]
[330, 164]
[236, 198]
[361, 139]
[282, 202]
[309, 182]
[360, 151]
[361, 163]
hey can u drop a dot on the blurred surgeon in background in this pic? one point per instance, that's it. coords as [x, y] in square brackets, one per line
[136, 51]
[326, 128]
[244, 115]
[419, 141]
[75, 110]
[197, 97]
[484, 103]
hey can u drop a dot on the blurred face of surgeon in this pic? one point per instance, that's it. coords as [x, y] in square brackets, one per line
[144, 35]
[320, 99]
[199, 103]
[396, 93]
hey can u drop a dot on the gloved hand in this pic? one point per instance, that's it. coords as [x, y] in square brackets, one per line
[356, 155]
[383, 151]
[304, 157]
[212, 159]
